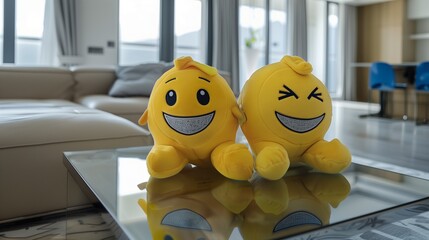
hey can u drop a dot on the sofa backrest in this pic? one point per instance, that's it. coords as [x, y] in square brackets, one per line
[17, 82]
[93, 80]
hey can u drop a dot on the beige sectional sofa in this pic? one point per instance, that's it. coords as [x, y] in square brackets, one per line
[45, 111]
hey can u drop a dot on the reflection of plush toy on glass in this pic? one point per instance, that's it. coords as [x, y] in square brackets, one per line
[292, 205]
[193, 117]
[199, 203]
[288, 111]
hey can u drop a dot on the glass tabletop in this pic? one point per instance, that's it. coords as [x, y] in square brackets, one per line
[199, 203]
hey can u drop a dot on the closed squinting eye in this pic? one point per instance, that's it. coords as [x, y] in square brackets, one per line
[287, 93]
[315, 95]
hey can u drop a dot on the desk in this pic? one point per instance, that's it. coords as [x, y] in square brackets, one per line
[409, 75]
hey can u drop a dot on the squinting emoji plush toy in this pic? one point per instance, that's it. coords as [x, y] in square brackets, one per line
[193, 117]
[288, 112]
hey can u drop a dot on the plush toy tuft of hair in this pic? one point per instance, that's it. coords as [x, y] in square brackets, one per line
[298, 64]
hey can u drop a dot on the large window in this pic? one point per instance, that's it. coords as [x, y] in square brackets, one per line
[27, 34]
[252, 40]
[261, 21]
[1, 30]
[29, 31]
[140, 32]
[332, 50]
[277, 46]
[187, 29]
[139, 25]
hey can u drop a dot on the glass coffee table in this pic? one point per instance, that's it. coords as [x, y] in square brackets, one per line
[360, 203]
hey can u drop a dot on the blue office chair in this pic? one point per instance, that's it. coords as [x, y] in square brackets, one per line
[382, 78]
[422, 86]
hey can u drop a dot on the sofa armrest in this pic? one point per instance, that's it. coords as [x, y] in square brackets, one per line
[93, 80]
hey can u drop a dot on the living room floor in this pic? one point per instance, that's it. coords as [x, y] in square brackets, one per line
[386, 143]
[87, 223]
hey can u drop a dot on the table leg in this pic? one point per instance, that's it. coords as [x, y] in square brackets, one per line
[382, 112]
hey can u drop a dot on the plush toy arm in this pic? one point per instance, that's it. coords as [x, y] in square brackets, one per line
[143, 118]
[241, 117]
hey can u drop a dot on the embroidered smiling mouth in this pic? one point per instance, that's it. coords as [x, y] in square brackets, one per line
[185, 218]
[299, 125]
[189, 125]
[297, 219]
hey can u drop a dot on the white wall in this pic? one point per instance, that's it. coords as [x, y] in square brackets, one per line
[422, 45]
[97, 24]
[418, 10]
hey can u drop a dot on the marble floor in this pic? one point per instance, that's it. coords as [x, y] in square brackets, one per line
[393, 144]
[387, 143]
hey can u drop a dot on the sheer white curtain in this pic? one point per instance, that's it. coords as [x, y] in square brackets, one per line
[297, 28]
[348, 29]
[49, 47]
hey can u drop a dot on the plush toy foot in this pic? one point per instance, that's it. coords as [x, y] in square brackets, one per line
[233, 160]
[272, 162]
[329, 188]
[328, 157]
[165, 161]
[234, 195]
[271, 196]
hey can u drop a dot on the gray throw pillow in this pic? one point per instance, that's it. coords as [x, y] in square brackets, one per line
[137, 80]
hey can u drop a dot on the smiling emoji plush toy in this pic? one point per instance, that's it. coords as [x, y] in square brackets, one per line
[193, 116]
[288, 112]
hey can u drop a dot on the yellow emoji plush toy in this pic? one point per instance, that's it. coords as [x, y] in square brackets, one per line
[288, 111]
[193, 116]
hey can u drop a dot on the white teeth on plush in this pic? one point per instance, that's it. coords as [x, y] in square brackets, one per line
[299, 125]
[189, 125]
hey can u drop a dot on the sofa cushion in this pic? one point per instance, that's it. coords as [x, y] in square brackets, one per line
[18, 82]
[130, 108]
[26, 123]
[137, 80]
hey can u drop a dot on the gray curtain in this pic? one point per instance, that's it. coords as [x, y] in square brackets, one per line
[349, 18]
[297, 28]
[348, 29]
[225, 39]
[65, 19]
